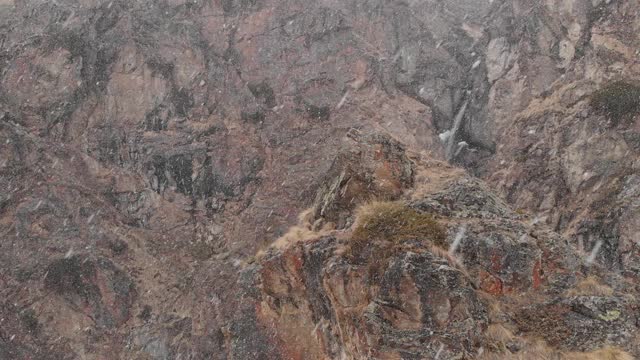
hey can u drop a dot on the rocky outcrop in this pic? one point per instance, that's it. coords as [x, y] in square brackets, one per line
[313, 299]
[559, 156]
[312, 303]
[372, 167]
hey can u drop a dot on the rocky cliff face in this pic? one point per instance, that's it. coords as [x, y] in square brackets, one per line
[504, 281]
[585, 162]
[151, 148]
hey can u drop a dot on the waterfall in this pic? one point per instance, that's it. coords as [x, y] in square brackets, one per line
[450, 151]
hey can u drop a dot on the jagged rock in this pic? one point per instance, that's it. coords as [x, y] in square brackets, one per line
[372, 167]
[583, 322]
[312, 303]
[424, 301]
[105, 292]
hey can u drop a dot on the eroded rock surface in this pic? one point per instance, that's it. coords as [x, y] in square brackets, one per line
[149, 149]
[313, 299]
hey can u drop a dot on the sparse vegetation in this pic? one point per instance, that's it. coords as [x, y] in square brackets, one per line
[617, 100]
[72, 275]
[395, 222]
[590, 286]
[294, 235]
[383, 229]
[146, 313]
[498, 337]
[263, 92]
[30, 320]
[606, 353]
[306, 229]
[202, 250]
[538, 350]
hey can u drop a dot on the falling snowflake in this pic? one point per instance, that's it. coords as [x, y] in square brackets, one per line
[458, 239]
[594, 252]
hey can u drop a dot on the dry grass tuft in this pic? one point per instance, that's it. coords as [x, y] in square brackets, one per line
[498, 333]
[304, 230]
[606, 353]
[497, 337]
[590, 286]
[539, 350]
[432, 177]
[453, 261]
[384, 229]
[394, 222]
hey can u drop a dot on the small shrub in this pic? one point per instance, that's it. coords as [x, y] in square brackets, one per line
[118, 246]
[202, 250]
[30, 321]
[395, 222]
[262, 91]
[590, 286]
[617, 100]
[72, 275]
[145, 315]
[384, 229]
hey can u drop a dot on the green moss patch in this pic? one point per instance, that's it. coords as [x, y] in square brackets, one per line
[394, 221]
[617, 100]
[384, 229]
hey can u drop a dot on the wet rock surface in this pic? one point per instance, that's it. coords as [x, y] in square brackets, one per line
[419, 303]
[149, 149]
[505, 270]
